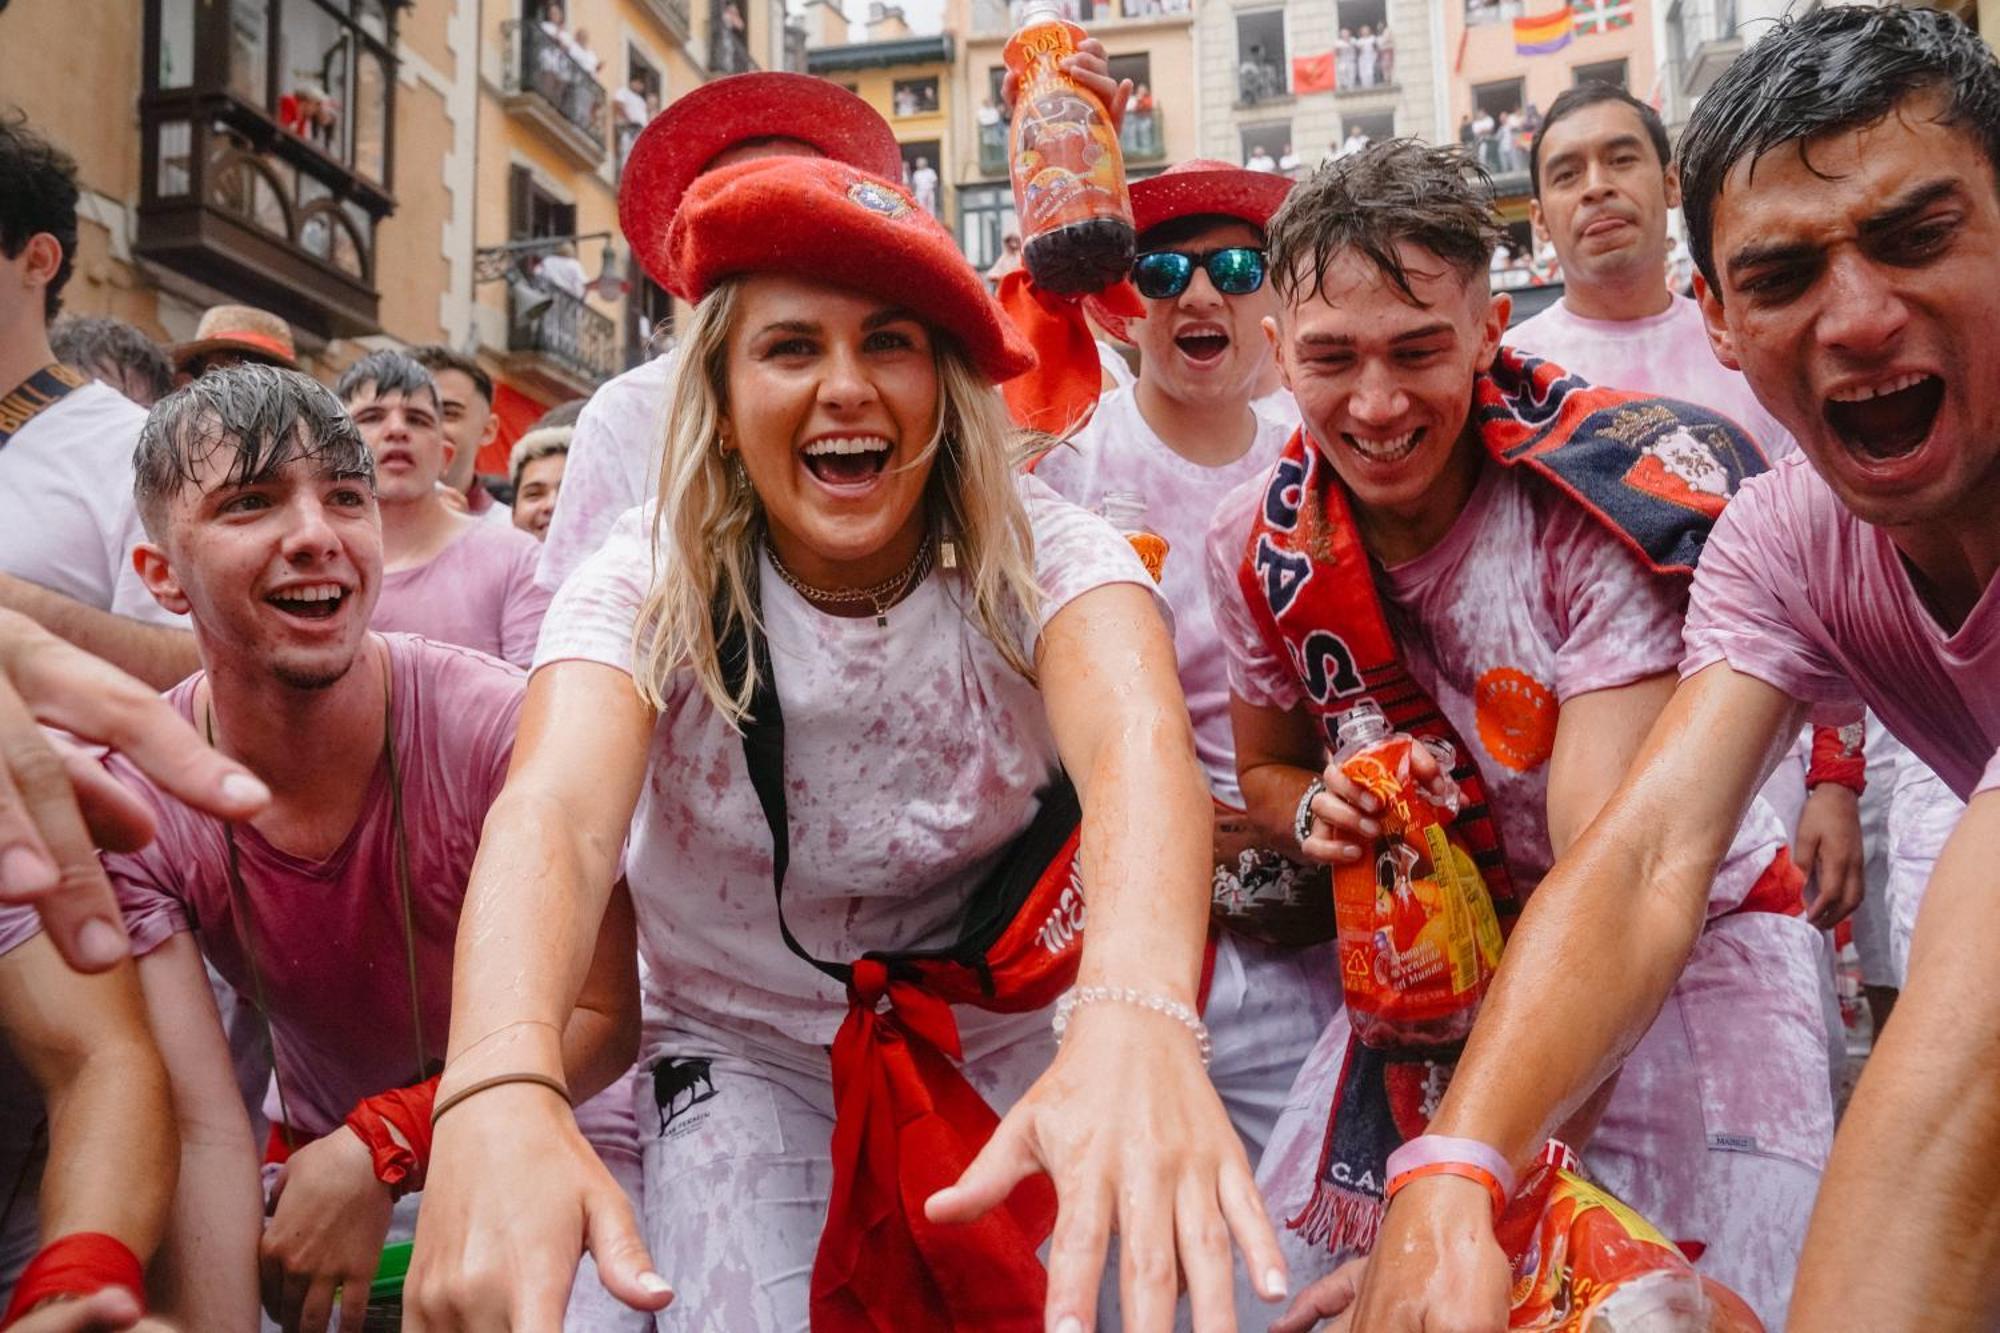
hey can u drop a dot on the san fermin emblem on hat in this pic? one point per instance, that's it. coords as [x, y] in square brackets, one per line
[878, 198]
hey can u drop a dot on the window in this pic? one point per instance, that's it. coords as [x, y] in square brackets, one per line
[323, 69]
[1140, 136]
[1497, 99]
[1498, 135]
[1260, 57]
[532, 211]
[649, 320]
[1264, 146]
[920, 175]
[915, 97]
[1364, 53]
[986, 218]
[1491, 11]
[635, 102]
[1150, 9]
[1370, 126]
[1604, 71]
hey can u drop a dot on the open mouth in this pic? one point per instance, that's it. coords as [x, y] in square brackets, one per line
[1889, 419]
[848, 460]
[1390, 449]
[1202, 345]
[312, 601]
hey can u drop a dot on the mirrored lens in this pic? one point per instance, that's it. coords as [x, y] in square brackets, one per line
[1162, 274]
[1237, 271]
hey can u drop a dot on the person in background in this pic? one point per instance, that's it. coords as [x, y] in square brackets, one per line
[536, 466]
[235, 335]
[67, 526]
[445, 574]
[1261, 160]
[1288, 162]
[465, 395]
[113, 352]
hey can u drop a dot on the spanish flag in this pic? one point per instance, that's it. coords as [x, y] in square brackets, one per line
[1543, 34]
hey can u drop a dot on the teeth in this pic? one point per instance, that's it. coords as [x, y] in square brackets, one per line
[1863, 393]
[848, 444]
[1385, 449]
[311, 592]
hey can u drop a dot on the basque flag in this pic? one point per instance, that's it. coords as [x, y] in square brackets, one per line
[1543, 34]
[1595, 16]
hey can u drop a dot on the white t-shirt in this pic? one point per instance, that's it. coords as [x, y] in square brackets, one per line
[913, 755]
[631, 106]
[67, 518]
[1118, 451]
[613, 464]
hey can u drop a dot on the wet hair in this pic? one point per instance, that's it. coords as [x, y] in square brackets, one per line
[1398, 190]
[37, 194]
[1177, 231]
[1840, 68]
[268, 416]
[436, 357]
[113, 351]
[389, 372]
[1581, 98]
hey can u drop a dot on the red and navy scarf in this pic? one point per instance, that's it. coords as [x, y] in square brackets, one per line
[35, 395]
[1655, 472]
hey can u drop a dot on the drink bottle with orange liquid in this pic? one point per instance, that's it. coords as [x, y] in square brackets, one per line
[1067, 167]
[1418, 937]
[1126, 511]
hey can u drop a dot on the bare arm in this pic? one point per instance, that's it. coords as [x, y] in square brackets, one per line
[84, 1040]
[1278, 753]
[206, 1275]
[158, 655]
[1905, 1231]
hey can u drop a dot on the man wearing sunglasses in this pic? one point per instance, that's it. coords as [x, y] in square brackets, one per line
[1181, 437]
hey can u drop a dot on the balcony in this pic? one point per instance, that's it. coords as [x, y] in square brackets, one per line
[550, 87]
[671, 14]
[1702, 36]
[997, 18]
[993, 149]
[557, 342]
[1143, 137]
[729, 52]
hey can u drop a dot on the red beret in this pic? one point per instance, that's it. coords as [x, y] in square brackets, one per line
[683, 139]
[1203, 185]
[829, 222]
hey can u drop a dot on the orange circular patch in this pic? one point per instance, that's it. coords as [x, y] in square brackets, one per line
[1517, 717]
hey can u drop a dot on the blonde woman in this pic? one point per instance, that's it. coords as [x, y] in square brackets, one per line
[934, 642]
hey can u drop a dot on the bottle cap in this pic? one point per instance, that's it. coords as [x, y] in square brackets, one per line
[1362, 724]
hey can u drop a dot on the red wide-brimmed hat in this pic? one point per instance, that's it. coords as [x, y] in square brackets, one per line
[829, 222]
[683, 139]
[1205, 185]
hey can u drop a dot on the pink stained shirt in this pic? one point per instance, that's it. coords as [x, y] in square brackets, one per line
[1798, 592]
[328, 933]
[1118, 451]
[1524, 605]
[614, 464]
[479, 592]
[1667, 353]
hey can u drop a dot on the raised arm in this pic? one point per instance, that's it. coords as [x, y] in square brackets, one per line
[159, 655]
[1905, 1232]
[501, 1230]
[1125, 1120]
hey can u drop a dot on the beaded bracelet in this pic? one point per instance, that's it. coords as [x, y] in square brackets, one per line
[1159, 1004]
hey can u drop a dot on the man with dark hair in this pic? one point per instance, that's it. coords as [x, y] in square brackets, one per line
[1840, 188]
[66, 523]
[114, 353]
[446, 575]
[465, 393]
[1466, 537]
[334, 910]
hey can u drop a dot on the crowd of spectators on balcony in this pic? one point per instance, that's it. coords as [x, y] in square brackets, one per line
[1367, 60]
[1500, 143]
[1258, 77]
[565, 69]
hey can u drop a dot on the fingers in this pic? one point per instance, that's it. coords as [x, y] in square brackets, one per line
[1327, 1298]
[1147, 1272]
[102, 1311]
[1005, 1161]
[1343, 821]
[1010, 91]
[1202, 1240]
[1250, 1226]
[317, 1307]
[1076, 1252]
[354, 1303]
[625, 1266]
[117, 819]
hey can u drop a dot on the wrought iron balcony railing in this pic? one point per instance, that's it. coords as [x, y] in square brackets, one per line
[552, 323]
[542, 68]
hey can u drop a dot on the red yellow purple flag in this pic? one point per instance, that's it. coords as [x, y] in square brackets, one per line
[1541, 34]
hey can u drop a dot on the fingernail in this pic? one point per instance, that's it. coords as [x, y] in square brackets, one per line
[25, 870]
[654, 1284]
[244, 789]
[1371, 828]
[99, 943]
[1069, 1323]
[1274, 1284]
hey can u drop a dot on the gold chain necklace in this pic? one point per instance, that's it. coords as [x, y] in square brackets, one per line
[881, 596]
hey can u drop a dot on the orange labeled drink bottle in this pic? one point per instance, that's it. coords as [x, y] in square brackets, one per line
[1126, 511]
[1418, 936]
[1069, 173]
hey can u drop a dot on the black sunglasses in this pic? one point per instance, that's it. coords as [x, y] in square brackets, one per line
[1236, 270]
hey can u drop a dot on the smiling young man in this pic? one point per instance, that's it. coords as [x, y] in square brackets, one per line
[446, 575]
[1840, 188]
[465, 403]
[1479, 543]
[335, 910]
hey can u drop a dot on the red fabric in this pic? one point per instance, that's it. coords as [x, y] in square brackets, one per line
[1837, 758]
[833, 223]
[76, 1265]
[1313, 74]
[517, 414]
[1780, 890]
[1060, 393]
[399, 1165]
[682, 140]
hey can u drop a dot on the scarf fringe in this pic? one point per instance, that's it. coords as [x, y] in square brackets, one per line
[1339, 1220]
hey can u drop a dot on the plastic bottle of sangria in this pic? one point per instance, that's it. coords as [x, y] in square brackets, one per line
[1418, 937]
[1067, 167]
[1126, 511]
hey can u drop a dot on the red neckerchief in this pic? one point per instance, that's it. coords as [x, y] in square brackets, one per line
[1060, 393]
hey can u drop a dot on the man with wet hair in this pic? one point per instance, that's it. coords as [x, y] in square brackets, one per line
[114, 353]
[335, 910]
[446, 575]
[1495, 554]
[1843, 207]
